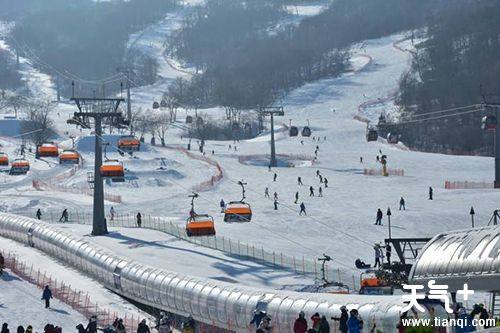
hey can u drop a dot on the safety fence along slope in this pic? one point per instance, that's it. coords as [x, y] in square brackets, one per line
[299, 265]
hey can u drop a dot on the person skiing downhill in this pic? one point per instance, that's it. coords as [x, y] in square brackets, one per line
[46, 296]
[378, 221]
[431, 193]
[311, 191]
[325, 181]
[39, 214]
[302, 209]
[299, 181]
[296, 197]
[64, 216]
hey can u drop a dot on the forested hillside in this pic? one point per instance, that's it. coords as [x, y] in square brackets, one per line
[458, 61]
[247, 62]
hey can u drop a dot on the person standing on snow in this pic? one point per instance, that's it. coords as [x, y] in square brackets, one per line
[431, 193]
[302, 209]
[2, 263]
[299, 181]
[46, 296]
[139, 219]
[296, 196]
[143, 327]
[39, 214]
[111, 213]
[320, 179]
[315, 318]
[266, 192]
[300, 325]
[378, 221]
[324, 326]
[320, 191]
[64, 216]
[311, 191]
[354, 324]
[275, 204]
[92, 325]
[388, 253]
[402, 203]
[222, 205]
[378, 256]
[326, 182]
[275, 176]
[258, 315]
[344, 317]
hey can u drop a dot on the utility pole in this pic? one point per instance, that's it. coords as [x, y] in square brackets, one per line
[126, 73]
[389, 213]
[496, 135]
[272, 111]
[58, 86]
[97, 109]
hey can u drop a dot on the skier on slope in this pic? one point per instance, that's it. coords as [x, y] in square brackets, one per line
[311, 191]
[299, 181]
[46, 296]
[64, 216]
[112, 213]
[325, 181]
[431, 193]
[222, 205]
[275, 195]
[275, 204]
[296, 197]
[266, 192]
[302, 209]
[275, 176]
[378, 221]
[320, 191]
[39, 214]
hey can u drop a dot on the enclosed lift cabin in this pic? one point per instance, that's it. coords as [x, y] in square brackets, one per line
[129, 143]
[69, 156]
[19, 166]
[4, 159]
[199, 224]
[306, 131]
[489, 123]
[293, 130]
[48, 149]
[238, 211]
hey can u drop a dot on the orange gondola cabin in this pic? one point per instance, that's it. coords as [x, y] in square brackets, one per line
[129, 143]
[47, 150]
[4, 159]
[69, 157]
[200, 225]
[19, 167]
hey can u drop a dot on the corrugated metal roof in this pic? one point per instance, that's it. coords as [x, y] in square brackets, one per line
[466, 256]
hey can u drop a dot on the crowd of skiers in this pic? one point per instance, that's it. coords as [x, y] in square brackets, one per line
[348, 321]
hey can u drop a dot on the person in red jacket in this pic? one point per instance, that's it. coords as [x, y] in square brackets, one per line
[300, 325]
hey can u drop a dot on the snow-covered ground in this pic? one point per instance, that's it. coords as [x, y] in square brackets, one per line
[20, 305]
[173, 254]
[40, 261]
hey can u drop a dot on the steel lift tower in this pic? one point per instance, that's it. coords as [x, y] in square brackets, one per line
[97, 109]
[272, 111]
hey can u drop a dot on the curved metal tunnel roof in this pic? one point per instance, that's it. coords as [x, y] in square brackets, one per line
[469, 256]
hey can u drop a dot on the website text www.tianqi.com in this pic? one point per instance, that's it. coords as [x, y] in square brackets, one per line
[443, 322]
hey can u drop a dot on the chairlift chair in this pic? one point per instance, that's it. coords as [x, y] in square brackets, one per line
[47, 149]
[4, 159]
[19, 166]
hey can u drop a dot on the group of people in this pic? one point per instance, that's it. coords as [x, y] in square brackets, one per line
[49, 328]
[348, 322]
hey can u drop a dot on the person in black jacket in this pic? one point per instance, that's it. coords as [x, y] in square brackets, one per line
[344, 317]
[324, 326]
[143, 327]
[46, 296]
[92, 325]
[5, 328]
